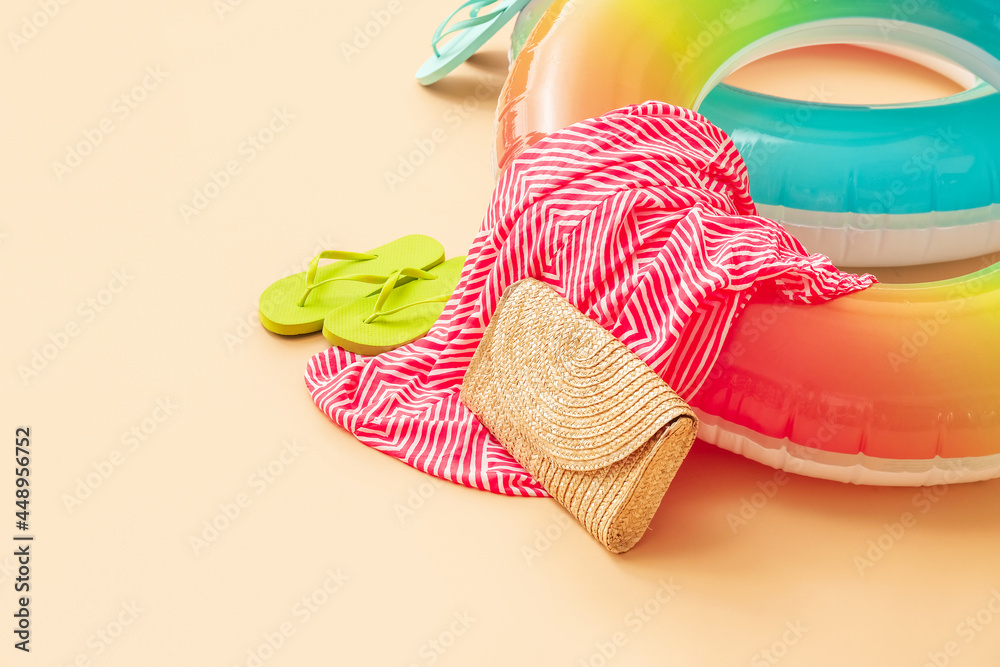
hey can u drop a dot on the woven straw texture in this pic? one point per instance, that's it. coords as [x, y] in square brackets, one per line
[598, 429]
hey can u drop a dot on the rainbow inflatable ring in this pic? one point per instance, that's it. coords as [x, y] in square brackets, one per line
[896, 385]
[897, 185]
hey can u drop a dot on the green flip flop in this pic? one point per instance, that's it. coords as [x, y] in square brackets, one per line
[398, 314]
[299, 303]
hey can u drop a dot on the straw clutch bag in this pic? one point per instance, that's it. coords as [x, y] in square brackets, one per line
[598, 429]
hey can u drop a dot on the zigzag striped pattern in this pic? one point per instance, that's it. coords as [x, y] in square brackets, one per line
[642, 219]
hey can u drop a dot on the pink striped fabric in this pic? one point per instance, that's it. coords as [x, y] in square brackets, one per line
[642, 219]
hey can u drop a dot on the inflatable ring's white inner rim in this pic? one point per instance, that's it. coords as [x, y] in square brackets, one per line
[972, 86]
[783, 454]
[887, 240]
[860, 222]
[861, 29]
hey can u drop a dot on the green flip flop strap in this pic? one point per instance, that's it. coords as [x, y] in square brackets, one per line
[390, 284]
[438, 299]
[475, 20]
[337, 254]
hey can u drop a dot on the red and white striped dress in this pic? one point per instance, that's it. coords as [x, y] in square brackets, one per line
[642, 219]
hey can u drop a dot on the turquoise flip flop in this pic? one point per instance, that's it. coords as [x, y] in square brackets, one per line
[475, 31]
[398, 314]
[299, 303]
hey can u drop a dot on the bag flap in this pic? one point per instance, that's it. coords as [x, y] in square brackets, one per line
[570, 388]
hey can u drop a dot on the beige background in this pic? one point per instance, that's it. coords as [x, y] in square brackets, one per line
[178, 328]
